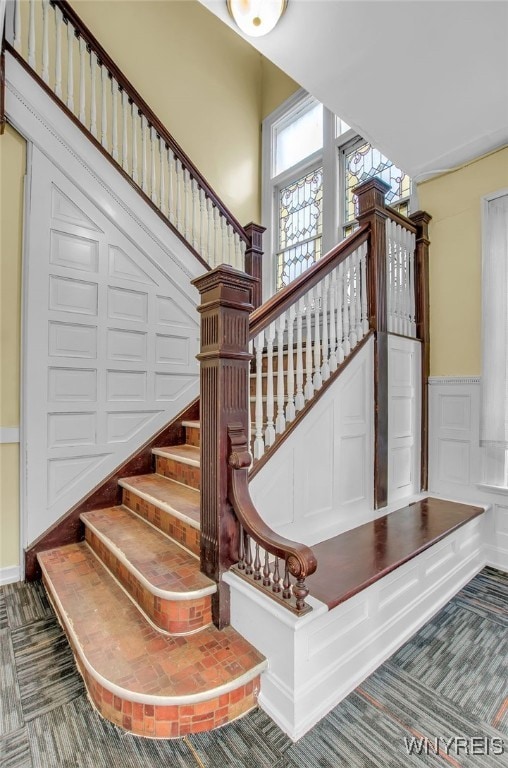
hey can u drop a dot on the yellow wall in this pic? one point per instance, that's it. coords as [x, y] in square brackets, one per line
[200, 78]
[454, 202]
[276, 87]
[12, 170]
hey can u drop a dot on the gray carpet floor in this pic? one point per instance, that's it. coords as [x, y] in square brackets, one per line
[449, 681]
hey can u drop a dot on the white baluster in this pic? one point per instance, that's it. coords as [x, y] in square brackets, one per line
[104, 107]
[239, 260]
[188, 204]
[179, 194]
[144, 161]
[17, 25]
[114, 119]
[390, 274]
[153, 179]
[135, 116]
[340, 313]
[358, 294]
[93, 95]
[70, 66]
[309, 387]
[45, 41]
[82, 91]
[224, 237]
[317, 379]
[162, 174]
[203, 224]
[31, 34]
[125, 137]
[58, 51]
[171, 187]
[405, 307]
[353, 340]
[209, 246]
[365, 308]
[231, 246]
[412, 295]
[299, 399]
[243, 248]
[270, 430]
[259, 443]
[345, 308]
[216, 251]
[332, 325]
[290, 406]
[280, 422]
[325, 366]
[195, 213]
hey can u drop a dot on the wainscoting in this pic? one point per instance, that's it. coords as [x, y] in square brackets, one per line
[456, 459]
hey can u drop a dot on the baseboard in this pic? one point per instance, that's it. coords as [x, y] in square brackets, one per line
[10, 574]
[497, 558]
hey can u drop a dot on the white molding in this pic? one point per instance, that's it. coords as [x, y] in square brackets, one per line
[9, 435]
[10, 574]
[454, 380]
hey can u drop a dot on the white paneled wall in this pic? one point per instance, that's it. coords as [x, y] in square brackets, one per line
[319, 481]
[456, 459]
[404, 407]
[111, 344]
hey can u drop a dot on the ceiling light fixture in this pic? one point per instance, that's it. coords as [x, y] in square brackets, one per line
[256, 17]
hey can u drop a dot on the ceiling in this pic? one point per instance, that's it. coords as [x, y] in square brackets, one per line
[426, 81]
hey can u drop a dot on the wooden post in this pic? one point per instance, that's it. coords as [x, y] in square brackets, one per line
[254, 260]
[372, 211]
[225, 366]
[421, 221]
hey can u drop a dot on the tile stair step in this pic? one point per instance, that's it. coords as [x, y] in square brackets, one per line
[146, 682]
[180, 463]
[162, 577]
[167, 504]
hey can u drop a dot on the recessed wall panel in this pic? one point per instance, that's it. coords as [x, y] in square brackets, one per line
[124, 304]
[72, 385]
[72, 340]
[73, 251]
[69, 295]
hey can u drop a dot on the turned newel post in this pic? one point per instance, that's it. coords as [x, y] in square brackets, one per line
[372, 211]
[421, 221]
[254, 260]
[224, 358]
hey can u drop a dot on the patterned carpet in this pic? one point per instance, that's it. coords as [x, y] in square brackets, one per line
[450, 680]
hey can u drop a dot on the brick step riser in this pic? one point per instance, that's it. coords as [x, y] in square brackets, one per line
[176, 529]
[193, 436]
[177, 470]
[178, 617]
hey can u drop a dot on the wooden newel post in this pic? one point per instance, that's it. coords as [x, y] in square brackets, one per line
[372, 211]
[421, 221]
[254, 260]
[225, 359]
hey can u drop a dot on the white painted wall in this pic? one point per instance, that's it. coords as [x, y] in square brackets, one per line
[319, 481]
[456, 459]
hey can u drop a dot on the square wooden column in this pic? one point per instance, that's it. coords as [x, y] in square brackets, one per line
[226, 296]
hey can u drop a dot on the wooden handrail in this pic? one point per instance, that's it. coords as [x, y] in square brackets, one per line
[105, 60]
[399, 218]
[281, 301]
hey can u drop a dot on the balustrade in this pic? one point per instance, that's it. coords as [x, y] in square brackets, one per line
[145, 151]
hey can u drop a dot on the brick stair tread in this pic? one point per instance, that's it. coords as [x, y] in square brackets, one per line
[124, 653]
[166, 494]
[167, 569]
[186, 454]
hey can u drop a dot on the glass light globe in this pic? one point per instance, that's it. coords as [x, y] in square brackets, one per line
[256, 17]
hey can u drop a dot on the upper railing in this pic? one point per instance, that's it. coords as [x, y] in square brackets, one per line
[59, 50]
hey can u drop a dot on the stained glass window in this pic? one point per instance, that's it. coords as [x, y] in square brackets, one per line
[300, 226]
[365, 162]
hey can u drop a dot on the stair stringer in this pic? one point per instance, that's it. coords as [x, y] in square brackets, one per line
[318, 483]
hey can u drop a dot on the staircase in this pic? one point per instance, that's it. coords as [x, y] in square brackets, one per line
[137, 610]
